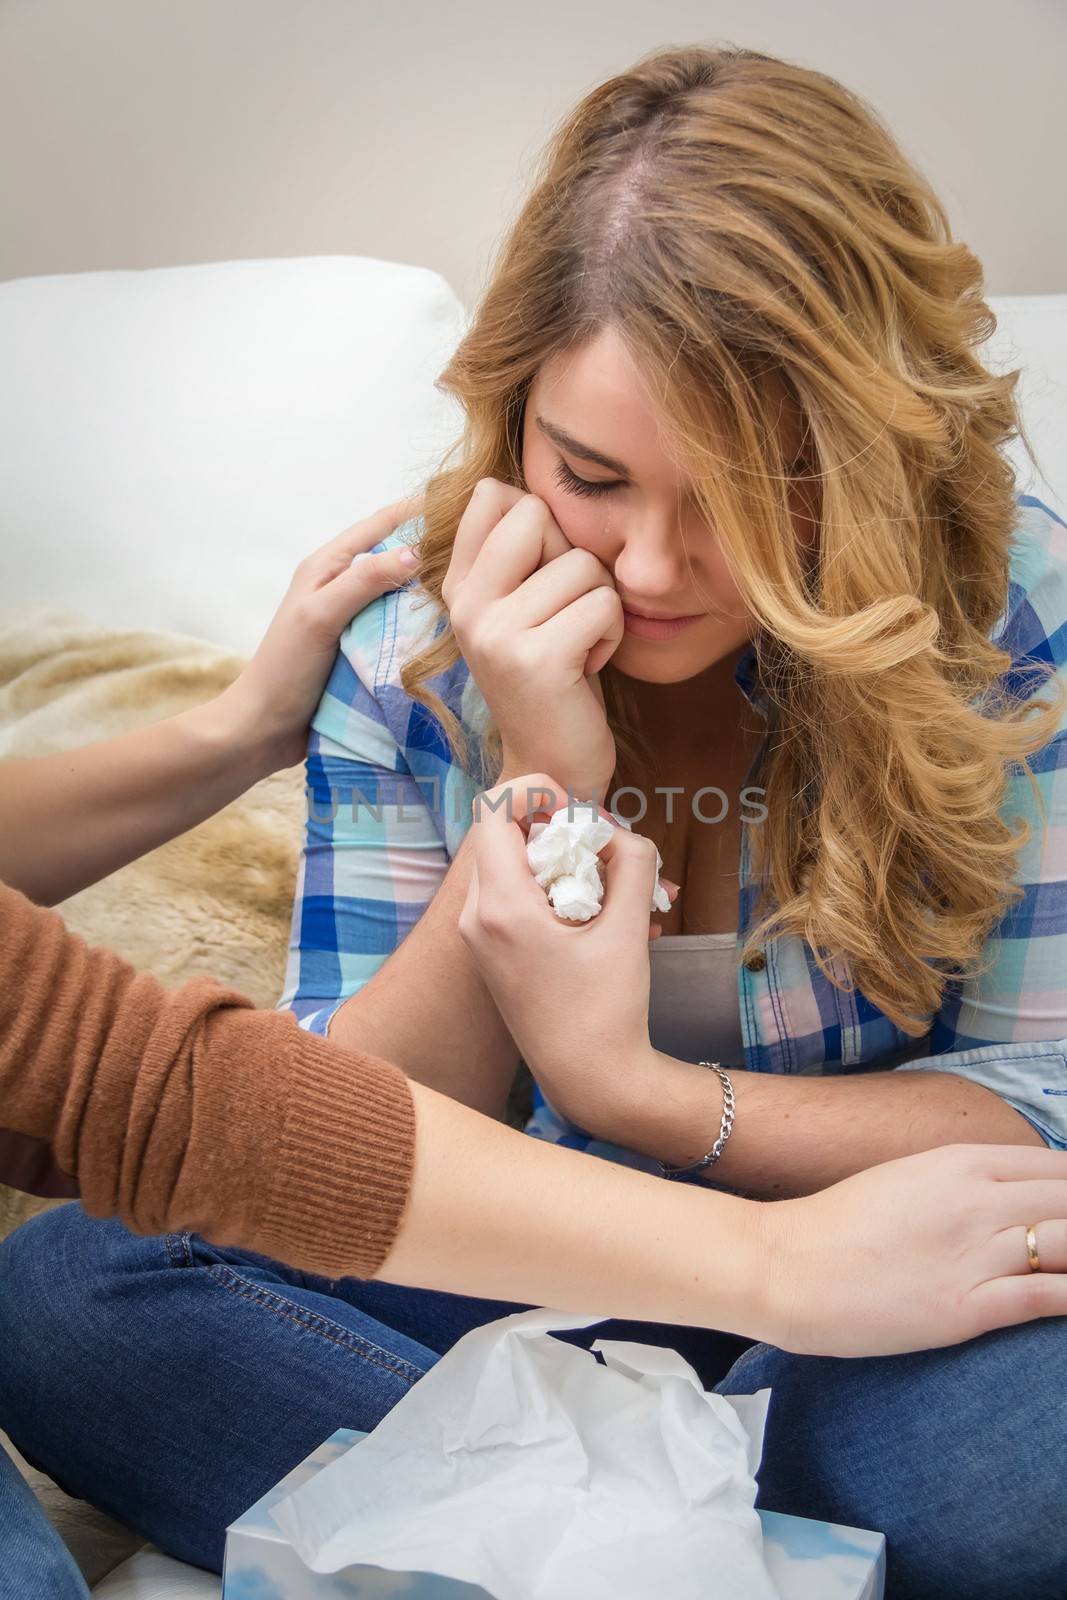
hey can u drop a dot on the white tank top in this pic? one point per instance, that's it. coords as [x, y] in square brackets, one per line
[694, 1012]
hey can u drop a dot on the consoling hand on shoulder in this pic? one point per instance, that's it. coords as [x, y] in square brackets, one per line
[277, 693]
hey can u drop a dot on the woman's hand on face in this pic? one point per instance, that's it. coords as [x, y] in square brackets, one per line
[535, 618]
[272, 702]
[917, 1253]
[574, 996]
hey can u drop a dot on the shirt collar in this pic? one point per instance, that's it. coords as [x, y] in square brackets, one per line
[746, 676]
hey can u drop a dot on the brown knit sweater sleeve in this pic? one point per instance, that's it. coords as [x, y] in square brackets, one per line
[190, 1109]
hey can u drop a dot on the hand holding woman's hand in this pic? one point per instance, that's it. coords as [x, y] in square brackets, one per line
[272, 702]
[574, 996]
[536, 618]
[917, 1253]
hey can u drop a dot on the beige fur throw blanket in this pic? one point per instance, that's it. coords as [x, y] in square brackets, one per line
[216, 900]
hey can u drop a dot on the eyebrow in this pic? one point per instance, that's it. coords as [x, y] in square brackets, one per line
[574, 447]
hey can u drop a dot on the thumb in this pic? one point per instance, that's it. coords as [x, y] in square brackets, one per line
[368, 577]
[629, 861]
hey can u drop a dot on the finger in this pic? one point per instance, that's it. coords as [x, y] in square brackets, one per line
[629, 862]
[672, 895]
[369, 531]
[599, 657]
[490, 501]
[362, 536]
[556, 544]
[347, 594]
[1027, 1199]
[1008, 1252]
[499, 842]
[1003, 1302]
[553, 586]
[1012, 1163]
[510, 551]
[503, 813]
[594, 623]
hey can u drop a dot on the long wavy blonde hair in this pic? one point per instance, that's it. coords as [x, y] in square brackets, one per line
[734, 216]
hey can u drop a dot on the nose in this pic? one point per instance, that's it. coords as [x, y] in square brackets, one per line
[650, 563]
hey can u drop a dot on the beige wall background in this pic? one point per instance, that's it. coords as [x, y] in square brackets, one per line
[142, 133]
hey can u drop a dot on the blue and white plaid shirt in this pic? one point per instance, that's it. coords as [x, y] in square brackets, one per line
[388, 807]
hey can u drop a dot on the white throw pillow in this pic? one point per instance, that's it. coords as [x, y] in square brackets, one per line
[174, 441]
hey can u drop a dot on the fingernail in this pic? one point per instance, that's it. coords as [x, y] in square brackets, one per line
[409, 558]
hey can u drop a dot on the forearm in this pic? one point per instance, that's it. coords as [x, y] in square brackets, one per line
[794, 1136]
[69, 819]
[189, 1109]
[428, 1009]
[492, 1212]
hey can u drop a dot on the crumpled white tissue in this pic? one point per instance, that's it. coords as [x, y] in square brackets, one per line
[563, 858]
[521, 1464]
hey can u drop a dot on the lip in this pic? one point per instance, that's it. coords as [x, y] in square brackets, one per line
[646, 627]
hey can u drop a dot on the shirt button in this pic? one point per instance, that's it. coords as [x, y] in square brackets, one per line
[757, 962]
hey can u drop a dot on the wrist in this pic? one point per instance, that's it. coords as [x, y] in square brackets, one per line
[739, 1267]
[515, 766]
[583, 787]
[771, 1290]
[787, 1291]
[236, 741]
[669, 1109]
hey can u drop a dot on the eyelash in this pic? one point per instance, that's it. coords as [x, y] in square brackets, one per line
[574, 485]
[582, 486]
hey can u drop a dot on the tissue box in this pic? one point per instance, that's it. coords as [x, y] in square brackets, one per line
[806, 1560]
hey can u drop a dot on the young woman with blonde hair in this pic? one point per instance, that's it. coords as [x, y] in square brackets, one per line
[730, 529]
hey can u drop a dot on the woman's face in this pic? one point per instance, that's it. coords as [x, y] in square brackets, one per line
[591, 402]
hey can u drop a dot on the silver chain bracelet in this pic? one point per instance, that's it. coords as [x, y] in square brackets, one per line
[725, 1129]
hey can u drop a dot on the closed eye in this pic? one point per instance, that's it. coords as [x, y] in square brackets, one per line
[571, 482]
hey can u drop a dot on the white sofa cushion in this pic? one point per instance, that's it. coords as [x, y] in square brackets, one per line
[174, 441]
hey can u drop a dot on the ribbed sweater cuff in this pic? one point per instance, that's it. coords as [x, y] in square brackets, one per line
[344, 1161]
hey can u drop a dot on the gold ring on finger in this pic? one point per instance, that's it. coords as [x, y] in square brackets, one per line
[1031, 1248]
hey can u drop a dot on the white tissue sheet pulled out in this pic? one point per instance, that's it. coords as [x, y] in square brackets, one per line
[521, 1464]
[563, 858]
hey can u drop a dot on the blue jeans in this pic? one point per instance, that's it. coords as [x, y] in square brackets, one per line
[171, 1382]
[35, 1564]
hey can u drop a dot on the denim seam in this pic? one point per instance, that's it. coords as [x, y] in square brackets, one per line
[178, 1249]
[313, 1322]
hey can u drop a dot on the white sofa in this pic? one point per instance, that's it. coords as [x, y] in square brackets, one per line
[175, 441]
